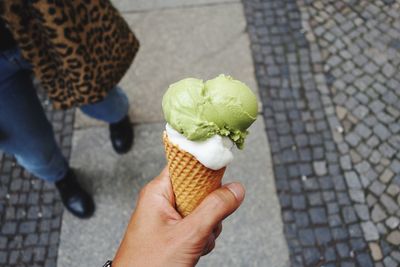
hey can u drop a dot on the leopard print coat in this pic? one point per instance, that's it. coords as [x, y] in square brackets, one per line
[79, 49]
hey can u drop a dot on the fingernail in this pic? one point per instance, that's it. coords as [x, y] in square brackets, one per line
[237, 190]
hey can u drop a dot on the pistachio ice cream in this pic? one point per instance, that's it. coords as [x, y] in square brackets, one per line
[221, 106]
[207, 118]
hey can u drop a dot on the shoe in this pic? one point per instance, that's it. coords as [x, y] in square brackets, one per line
[121, 135]
[75, 199]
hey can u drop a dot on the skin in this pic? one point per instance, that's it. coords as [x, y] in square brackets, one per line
[158, 236]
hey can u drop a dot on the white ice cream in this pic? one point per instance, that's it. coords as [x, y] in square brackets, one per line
[214, 153]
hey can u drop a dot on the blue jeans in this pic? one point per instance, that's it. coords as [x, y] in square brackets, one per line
[25, 131]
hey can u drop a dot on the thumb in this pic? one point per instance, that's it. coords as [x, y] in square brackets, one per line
[216, 206]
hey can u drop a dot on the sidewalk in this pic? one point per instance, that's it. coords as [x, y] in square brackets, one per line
[328, 76]
[177, 40]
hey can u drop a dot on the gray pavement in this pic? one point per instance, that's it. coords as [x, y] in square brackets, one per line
[200, 40]
[328, 76]
[359, 47]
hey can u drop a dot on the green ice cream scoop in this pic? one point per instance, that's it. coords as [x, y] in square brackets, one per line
[200, 110]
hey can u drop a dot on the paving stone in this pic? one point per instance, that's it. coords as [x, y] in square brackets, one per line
[394, 237]
[392, 222]
[381, 131]
[341, 112]
[381, 228]
[352, 139]
[330, 254]
[377, 188]
[370, 231]
[328, 196]
[395, 165]
[3, 257]
[347, 264]
[376, 106]
[364, 260]
[388, 70]
[386, 176]
[306, 237]
[357, 195]
[393, 190]
[349, 215]
[343, 250]
[311, 256]
[363, 167]
[360, 112]
[378, 214]
[333, 208]
[373, 141]
[389, 262]
[385, 247]
[318, 215]
[357, 244]
[323, 235]
[389, 203]
[363, 130]
[298, 202]
[376, 252]
[315, 199]
[9, 228]
[343, 199]
[301, 219]
[352, 180]
[395, 255]
[362, 211]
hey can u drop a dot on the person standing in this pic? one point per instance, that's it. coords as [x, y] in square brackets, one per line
[78, 50]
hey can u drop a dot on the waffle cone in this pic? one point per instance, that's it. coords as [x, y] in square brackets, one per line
[191, 180]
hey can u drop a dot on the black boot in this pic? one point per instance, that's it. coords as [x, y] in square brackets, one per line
[121, 135]
[74, 197]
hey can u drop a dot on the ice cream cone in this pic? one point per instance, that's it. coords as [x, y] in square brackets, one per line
[191, 180]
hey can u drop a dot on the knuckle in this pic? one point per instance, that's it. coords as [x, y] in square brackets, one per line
[144, 191]
[221, 198]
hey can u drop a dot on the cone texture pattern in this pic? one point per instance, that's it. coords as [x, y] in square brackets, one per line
[191, 180]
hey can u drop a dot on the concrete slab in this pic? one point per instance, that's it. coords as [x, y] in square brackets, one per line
[115, 182]
[176, 43]
[145, 5]
[251, 237]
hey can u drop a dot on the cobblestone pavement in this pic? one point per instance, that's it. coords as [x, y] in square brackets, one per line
[328, 77]
[30, 209]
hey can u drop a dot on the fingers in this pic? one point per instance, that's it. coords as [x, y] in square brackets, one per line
[164, 173]
[217, 230]
[157, 198]
[216, 207]
[160, 185]
[210, 245]
[212, 239]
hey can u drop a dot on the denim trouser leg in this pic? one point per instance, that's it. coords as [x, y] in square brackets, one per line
[112, 109]
[25, 131]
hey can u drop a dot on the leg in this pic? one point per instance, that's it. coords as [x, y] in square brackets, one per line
[25, 131]
[112, 109]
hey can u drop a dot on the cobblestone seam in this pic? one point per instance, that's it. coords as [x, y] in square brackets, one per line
[321, 224]
[359, 43]
[30, 209]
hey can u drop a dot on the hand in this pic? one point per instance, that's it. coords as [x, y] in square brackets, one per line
[158, 236]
